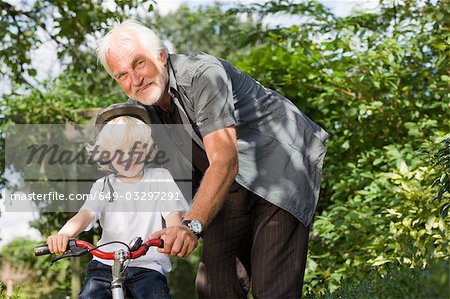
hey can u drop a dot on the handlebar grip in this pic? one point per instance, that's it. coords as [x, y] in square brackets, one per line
[41, 250]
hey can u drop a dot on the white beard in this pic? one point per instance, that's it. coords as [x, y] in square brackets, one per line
[153, 94]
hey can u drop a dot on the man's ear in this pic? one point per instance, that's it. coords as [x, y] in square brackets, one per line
[163, 57]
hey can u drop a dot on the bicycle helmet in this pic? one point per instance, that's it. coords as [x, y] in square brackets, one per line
[122, 109]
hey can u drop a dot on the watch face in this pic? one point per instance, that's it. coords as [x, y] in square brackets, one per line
[196, 226]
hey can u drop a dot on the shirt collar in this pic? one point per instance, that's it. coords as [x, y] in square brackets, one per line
[173, 87]
[172, 79]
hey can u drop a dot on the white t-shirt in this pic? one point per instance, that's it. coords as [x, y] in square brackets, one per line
[137, 211]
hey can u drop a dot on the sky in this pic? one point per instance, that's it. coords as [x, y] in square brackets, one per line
[14, 224]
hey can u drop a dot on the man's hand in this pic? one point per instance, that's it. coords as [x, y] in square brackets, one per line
[178, 240]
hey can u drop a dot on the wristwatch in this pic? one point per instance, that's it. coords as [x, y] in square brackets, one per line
[195, 226]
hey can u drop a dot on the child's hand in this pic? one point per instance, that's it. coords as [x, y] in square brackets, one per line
[57, 243]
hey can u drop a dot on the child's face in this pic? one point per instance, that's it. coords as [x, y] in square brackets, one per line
[129, 161]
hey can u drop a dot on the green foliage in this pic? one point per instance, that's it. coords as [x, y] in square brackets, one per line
[400, 281]
[181, 279]
[66, 23]
[41, 279]
[431, 282]
[15, 295]
[65, 101]
[211, 29]
[391, 219]
[377, 84]
[441, 159]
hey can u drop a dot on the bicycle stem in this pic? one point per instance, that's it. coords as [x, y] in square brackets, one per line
[118, 276]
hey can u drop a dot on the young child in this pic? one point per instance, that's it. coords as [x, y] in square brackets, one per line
[125, 203]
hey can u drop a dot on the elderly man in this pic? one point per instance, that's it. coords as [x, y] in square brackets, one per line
[260, 160]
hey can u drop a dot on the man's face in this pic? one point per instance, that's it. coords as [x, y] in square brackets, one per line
[142, 76]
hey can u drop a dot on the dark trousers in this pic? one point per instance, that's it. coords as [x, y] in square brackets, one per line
[139, 283]
[252, 242]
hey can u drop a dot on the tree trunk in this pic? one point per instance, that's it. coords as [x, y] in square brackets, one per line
[75, 279]
[9, 288]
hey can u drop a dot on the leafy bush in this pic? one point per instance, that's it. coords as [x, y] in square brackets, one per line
[377, 83]
[441, 159]
[42, 280]
[400, 281]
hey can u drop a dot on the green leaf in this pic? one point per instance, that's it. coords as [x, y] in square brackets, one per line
[445, 78]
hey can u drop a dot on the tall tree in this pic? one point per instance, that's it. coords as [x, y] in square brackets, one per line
[70, 25]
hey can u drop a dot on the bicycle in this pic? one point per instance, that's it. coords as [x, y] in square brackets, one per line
[78, 248]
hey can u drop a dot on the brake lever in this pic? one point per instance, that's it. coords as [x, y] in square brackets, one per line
[136, 243]
[73, 252]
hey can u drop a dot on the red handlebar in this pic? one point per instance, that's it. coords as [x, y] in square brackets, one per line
[142, 250]
[74, 247]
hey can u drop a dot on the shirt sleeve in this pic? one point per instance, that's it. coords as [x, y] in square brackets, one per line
[93, 204]
[178, 203]
[213, 99]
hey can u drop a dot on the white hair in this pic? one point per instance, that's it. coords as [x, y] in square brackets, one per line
[126, 32]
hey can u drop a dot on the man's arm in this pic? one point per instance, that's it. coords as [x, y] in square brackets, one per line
[221, 149]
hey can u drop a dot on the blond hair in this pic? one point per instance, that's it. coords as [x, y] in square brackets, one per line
[123, 133]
